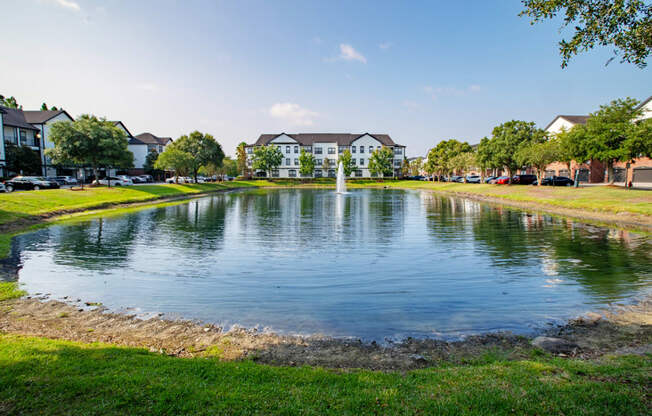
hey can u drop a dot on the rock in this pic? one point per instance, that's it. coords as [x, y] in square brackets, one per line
[418, 358]
[556, 345]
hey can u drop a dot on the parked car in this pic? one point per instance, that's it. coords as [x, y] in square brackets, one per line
[456, 179]
[61, 182]
[473, 178]
[2, 187]
[180, 179]
[147, 178]
[114, 181]
[524, 179]
[490, 179]
[29, 182]
[138, 179]
[69, 180]
[415, 178]
[557, 181]
[501, 180]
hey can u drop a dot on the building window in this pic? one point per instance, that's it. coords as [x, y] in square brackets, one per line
[296, 149]
[352, 149]
[361, 162]
[287, 149]
[331, 150]
[397, 163]
[275, 173]
[308, 149]
[250, 150]
[354, 160]
[331, 173]
[293, 173]
[341, 149]
[287, 161]
[318, 150]
[296, 162]
[398, 151]
[318, 173]
[361, 149]
[23, 137]
[358, 173]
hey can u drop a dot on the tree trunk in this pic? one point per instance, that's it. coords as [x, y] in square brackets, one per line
[509, 173]
[540, 176]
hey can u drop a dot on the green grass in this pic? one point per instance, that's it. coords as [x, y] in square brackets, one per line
[40, 376]
[18, 205]
[9, 290]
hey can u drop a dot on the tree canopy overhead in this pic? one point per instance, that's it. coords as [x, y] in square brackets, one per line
[624, 24]
[508, 138]
[203, 150]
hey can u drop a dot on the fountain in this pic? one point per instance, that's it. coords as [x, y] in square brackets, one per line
[341, 183]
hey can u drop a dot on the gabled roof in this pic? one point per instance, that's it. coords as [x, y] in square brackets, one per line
[571, 119]
[41, 117]
[115, 123]
[149, 138]
[642, 104]
[308, 139]
[15, 118]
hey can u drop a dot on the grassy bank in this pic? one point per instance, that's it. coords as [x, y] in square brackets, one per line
[42, 376]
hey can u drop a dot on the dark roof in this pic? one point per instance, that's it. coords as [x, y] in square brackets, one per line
[308, 139]
[15, 118]
[149, 138]
[40, 117]
[572, 119]
[115, 123]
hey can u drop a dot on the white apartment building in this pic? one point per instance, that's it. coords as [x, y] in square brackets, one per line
[326, 147]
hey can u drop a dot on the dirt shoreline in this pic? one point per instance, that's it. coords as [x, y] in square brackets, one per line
[619, 330]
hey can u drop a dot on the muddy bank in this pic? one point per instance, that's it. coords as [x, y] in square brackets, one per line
[626, 330]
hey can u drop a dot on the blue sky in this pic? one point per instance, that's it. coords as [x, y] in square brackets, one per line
[419, 71]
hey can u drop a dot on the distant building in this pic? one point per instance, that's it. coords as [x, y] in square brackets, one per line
[141, 145]
[326, 147]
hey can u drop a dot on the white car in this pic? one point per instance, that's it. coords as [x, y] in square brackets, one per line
[68, 180]
[115, 181]
[180, 179]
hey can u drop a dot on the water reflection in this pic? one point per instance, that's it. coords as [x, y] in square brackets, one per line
[371, 263]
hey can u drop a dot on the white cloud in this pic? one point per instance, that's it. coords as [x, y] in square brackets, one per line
[386, 45]
[438, 92]
[293, 114]
[147, 87]
[67, 4]
[348, 53]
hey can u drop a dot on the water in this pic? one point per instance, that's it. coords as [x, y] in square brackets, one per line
[341, 181]
[373, 264]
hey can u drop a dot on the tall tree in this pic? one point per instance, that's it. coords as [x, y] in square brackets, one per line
[176, 160]
[570, 145]
[306, 163]
[405, 167]
[539, 155]
[609, 132]
[326, 165]
[9, 102]
[485, 157]
[22, 160]
[241, 154]
[462, 162]
[415, 166]
[625, 25]
[347, 162]
[508, 138]
[203, 149]
[381, 162]
[440, 156]
[90, 142]
[267, 158]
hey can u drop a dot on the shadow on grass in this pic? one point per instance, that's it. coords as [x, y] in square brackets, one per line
[40, 376]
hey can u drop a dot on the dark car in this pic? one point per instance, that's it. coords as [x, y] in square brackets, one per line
[58, 180]
[557, 181]
[29, 182]
[456, 178]
[490, 178]
[524, 179]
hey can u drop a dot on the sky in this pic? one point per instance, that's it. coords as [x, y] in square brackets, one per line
[421, 72]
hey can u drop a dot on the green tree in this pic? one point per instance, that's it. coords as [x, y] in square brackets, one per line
[462, 162]
[150, 163]
[306, 163]
[381, 162]
[539, 155]
[229, 167]
[176, 160]
[440, 156]
[569, 143]
[405, 167]
[326, 165]
[44, 107]
[22, 160]
[640, 142]
[241, 155]
[347, 162]
[203, 149]
[415, 166]
[508, 138]
[485, 157]
[9, 102]
[625, 25]
[610, 135]
[267, 158]
[89, 141]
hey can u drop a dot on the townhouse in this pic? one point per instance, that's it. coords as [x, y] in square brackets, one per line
[326, 147]
[143, 144]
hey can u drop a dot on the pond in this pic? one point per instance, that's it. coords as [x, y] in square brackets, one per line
[372, 264]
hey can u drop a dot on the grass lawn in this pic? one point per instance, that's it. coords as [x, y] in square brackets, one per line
[40, 376]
